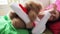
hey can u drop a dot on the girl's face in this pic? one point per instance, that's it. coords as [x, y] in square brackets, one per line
[54, 16]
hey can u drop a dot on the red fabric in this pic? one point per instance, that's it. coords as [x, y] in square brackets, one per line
[55, 28]
[34, 24]
[24, 9]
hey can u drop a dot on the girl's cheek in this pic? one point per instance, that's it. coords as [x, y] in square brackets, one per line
[51, 18]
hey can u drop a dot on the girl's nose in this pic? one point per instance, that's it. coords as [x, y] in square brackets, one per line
[54, 15]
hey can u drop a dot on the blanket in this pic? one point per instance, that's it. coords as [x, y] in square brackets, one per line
[6, 27]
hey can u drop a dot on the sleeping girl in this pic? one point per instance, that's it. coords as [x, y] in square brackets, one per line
[54, 26]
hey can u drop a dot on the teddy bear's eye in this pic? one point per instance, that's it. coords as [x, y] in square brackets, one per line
[31, 5]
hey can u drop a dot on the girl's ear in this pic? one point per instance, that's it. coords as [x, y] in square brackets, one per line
[13, 15]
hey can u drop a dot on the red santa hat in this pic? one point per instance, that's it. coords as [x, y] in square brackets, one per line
[20, 11]
[23, 8]
[24, 11]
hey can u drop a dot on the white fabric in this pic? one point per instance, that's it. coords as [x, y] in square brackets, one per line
[41, 26]
[20, 12]
[37, 21]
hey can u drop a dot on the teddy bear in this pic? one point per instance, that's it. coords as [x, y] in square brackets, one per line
[11, 22]
[31, 9]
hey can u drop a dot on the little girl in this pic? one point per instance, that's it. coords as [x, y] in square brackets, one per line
[55, 26]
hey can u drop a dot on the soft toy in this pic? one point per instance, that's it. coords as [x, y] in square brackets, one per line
[12, 23]
[24, 17]
[32, 9]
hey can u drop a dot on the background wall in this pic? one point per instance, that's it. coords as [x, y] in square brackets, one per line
[45, 2]
[52, 1]
[4, 9]
[4, 6]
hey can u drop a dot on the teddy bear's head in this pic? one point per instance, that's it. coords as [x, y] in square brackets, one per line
[32, 12]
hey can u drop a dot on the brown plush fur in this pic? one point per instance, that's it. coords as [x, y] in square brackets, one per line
[33, 10]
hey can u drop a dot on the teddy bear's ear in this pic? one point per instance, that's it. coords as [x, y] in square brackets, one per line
[33, 6]
[13, 15]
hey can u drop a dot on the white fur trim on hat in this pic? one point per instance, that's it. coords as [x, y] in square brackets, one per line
[20, 12]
